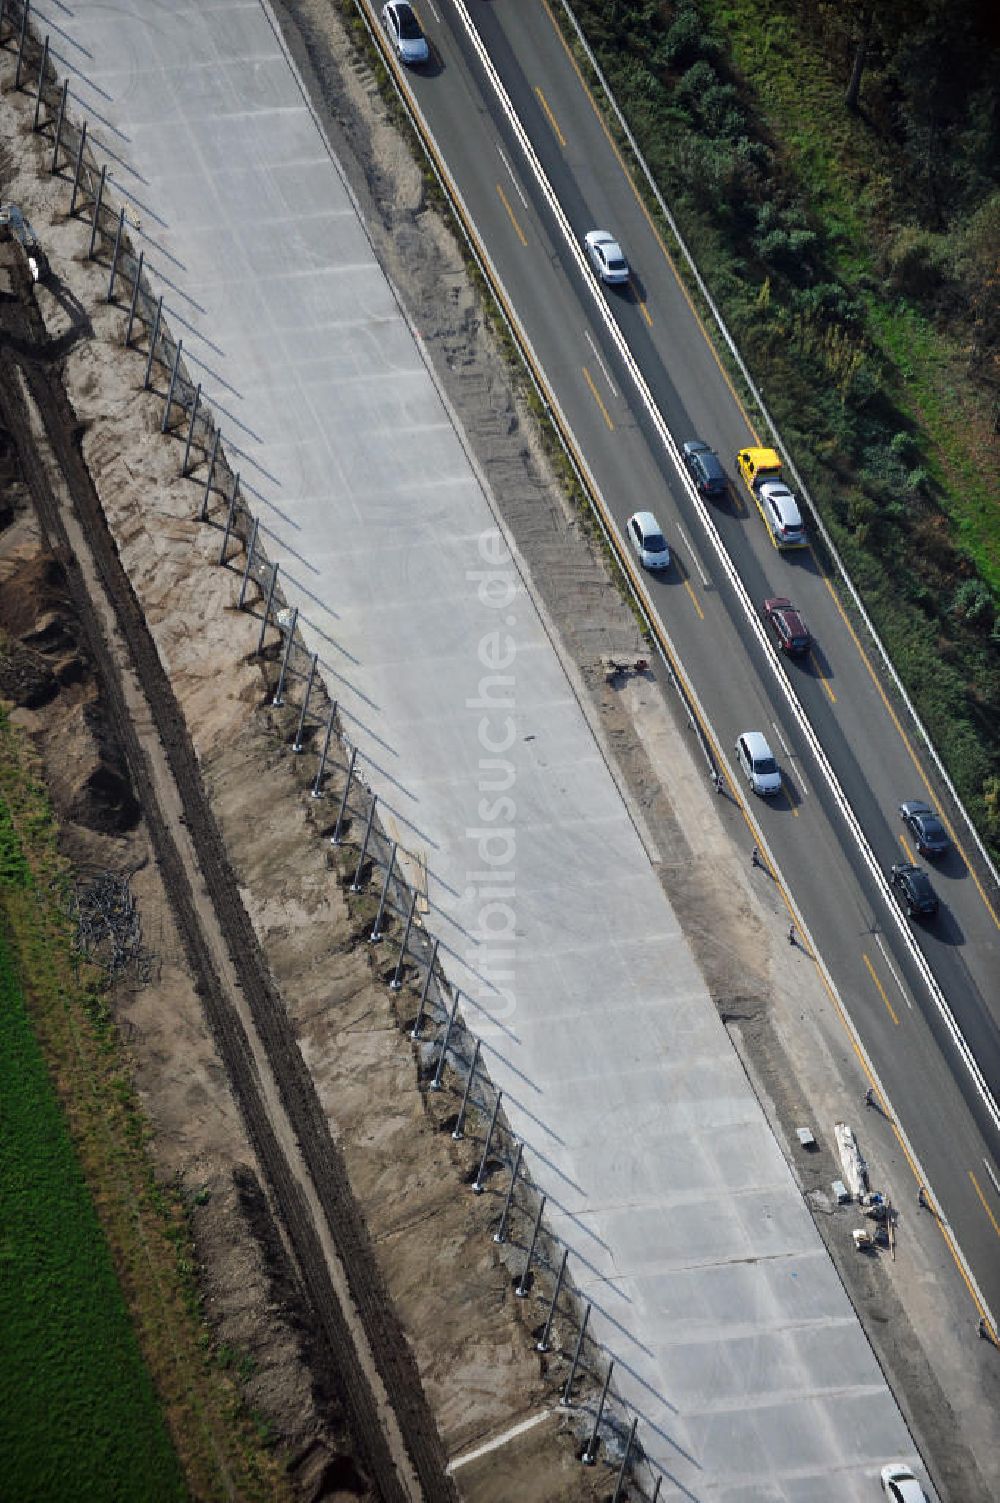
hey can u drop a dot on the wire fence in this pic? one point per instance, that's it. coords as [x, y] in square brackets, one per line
[579, 1367]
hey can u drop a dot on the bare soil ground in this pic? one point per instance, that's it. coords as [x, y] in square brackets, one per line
[341, 1253]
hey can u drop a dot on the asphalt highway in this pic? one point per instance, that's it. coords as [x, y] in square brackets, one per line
[507, 113]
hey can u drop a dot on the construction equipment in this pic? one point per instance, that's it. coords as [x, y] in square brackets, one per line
[13, 221]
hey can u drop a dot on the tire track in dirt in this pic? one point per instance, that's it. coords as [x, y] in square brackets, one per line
[420, 1471]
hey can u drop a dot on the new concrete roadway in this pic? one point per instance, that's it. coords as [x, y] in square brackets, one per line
[502, 79]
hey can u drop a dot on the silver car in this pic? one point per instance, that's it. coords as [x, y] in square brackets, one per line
[606, 257]
[403, 30]
[781, 512]
[648, 541]
[757, 763]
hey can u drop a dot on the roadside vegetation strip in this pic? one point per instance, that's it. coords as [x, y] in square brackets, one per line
[889, 458]
[98, 1306]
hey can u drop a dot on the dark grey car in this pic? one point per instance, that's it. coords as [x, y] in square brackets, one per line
[912, 886]
[706, 468]
[929, 834]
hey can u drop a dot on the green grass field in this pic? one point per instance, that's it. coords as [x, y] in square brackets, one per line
[78, 1415]
[111, 1384]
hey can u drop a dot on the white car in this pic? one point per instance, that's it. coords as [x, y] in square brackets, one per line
[900, 1485]
[606, 257]
[757, 762]
[648, 541]
[403, 30]
[782, 515]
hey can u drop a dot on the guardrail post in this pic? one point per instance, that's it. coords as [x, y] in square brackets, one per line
[500, 1235]
[376, 933]
[20, 43]
[164, 425]
[335, 838]
[59, 125]
[267, 609]
[114, 256]
[78, 169]
[619, 1485]
[523, 1287]
[154, 336]
[418, 1021]
[543, 1344]
[279, 691]
[317, 788]
[251, 548]
[436, 1082]
[190, 437]
[133, 303]
[590, 1454]
[356, 884]
[230, 518]
[41, 81]
[568, 1390]
[210, 476]
[477, 1184]
[297, 743]
[95, 223]
[457, 1131]
[396, 984]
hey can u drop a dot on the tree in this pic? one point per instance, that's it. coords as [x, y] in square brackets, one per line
[860, 56]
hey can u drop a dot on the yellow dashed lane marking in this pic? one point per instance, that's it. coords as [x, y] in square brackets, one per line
[598, 399]
[822, 677]
[550, 117]
[881, 989]
[510, 212]
[982, 1197]
[694, 598]
[642, 308]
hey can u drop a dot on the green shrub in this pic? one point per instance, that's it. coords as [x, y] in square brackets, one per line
[973, 604]
[915, 263]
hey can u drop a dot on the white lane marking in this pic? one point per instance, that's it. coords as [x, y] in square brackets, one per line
[992, 1176]
[893, 972]
[784, 744]
[692, 555]
[430, 6]
[598, 357]
[712, 533]
[510, 174]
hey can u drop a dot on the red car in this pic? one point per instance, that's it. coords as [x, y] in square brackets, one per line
[789, 628]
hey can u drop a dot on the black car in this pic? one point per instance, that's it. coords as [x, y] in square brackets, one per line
[706, 469]
[928, 832]
[913, 888]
